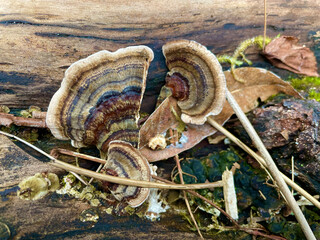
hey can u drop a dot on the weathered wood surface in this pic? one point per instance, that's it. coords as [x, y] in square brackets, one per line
[40, 39]
[58, 216]
[15, 164]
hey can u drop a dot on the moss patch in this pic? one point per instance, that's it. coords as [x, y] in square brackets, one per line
[309, 85]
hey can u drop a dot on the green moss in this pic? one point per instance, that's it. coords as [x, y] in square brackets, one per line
[240, 52]
[310, 85]
[314, 95]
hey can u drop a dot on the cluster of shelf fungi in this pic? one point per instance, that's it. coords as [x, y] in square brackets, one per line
[98, 105]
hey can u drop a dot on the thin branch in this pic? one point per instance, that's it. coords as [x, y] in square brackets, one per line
[292, 171]
[265, 24]
[119, 180]
[7, 120]
[272, 167]
[176, 158]
[262, 162]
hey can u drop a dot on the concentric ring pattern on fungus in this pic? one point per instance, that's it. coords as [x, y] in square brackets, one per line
[99, 98]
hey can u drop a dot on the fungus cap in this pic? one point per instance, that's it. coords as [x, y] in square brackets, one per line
[196, 79]
[126, 161]
[99, 98]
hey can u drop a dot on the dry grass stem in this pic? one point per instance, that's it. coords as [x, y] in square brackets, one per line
[272, 167]
[119, 180]
[265, 24]
[176, 158]
[204, 199]
[262, 162]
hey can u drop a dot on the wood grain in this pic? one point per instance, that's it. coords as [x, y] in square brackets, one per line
[39, 39]
[59, 216]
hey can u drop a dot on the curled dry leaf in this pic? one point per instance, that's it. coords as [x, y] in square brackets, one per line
[284, 52]
[162, 120]
[260, 83]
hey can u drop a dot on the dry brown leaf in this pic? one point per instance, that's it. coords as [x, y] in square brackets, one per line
[159, 122]
[284, 52]
[260, 83]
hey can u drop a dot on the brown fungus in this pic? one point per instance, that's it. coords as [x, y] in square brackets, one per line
[191, 61]
[99, 98]
[126, 161]
[196, 79]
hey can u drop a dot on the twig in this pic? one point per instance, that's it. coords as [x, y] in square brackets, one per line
[258, 233]
[119, 180]
[98, 170]
[176, 158]
[37, 114]
[204, 199]
[262, 162]
[7, 120]
[292, 171]
[265, 25]
[272, 167]
[55, 152]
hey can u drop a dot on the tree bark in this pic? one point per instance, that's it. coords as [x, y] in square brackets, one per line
[40, 39]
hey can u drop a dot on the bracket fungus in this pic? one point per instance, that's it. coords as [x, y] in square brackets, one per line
[196, 79]
[99, 98]
[188, 63]
[126, 161]
[98, 104]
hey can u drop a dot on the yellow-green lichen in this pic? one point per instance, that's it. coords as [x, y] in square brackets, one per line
[25, 114]
[51, 179]
[28, 113]
[74, 188]
[34, 109]
[4, 109]
[37, 186]
[89, 215]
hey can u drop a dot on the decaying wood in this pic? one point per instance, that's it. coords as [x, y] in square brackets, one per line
[290, 128]
[40, 39]
[16, 165]
[9, 119]
[58, 216]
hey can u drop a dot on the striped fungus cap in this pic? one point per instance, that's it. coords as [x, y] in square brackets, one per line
[98, 104]
[196, 79]
[126, 161]
[99, 98]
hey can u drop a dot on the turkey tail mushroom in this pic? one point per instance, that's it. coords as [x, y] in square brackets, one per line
[196, 79]
[98, 104]
[194, 72]
[126, 161]
[99, 98]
